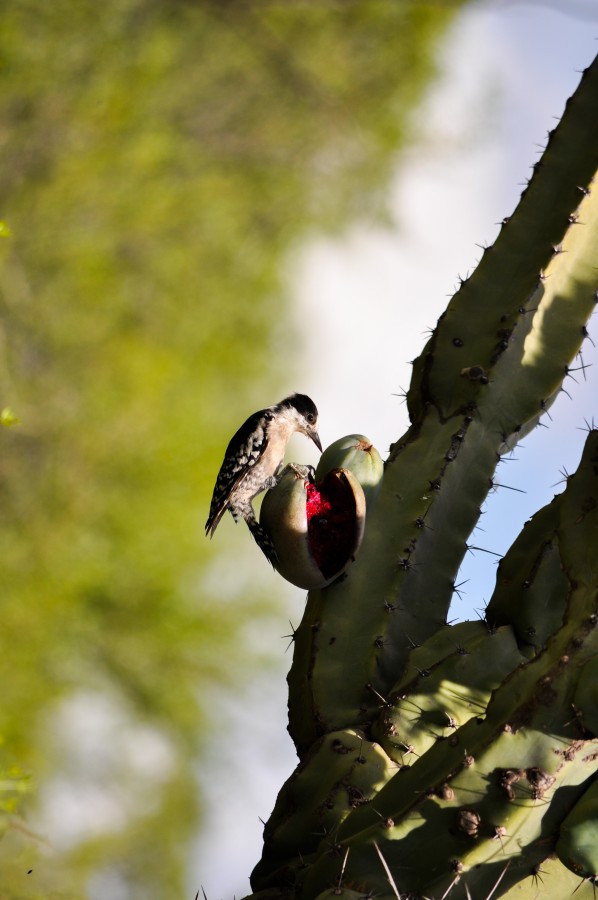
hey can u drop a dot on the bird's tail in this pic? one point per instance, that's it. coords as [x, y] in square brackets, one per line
[214, 521]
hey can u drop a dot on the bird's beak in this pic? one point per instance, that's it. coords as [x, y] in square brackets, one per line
[316, 439]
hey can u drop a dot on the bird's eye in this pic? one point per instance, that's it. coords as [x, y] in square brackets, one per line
[310, 418]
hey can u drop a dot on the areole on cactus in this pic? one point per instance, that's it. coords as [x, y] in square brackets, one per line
[435, 758]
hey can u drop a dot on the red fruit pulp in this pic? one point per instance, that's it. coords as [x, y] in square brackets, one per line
[331, 522]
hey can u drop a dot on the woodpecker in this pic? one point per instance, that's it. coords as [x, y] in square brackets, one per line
[253, 460]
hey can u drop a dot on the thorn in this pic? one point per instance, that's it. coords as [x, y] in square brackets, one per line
[583, 881]
[402, 395]
[563, 480]
[499, 833]
[385, 704]
[495, 484]
[387, 870]
[455, 881]
[536, 874]
[499, 879]
[291, 636]
[590, 426]
[342, 874]
[545, 409]
[387, 822]
[408, 748]
[583, 366]
[457, 586]
[508, 457]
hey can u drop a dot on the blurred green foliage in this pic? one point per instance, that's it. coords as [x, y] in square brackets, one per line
[159, 160]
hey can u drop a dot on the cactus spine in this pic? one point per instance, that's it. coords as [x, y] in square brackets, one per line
[467, 749]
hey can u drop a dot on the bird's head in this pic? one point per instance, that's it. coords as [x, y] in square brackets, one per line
[304, 414]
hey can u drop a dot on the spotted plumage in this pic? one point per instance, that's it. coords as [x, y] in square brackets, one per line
[254, 458]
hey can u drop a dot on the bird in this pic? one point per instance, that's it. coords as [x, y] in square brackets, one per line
[253, 460]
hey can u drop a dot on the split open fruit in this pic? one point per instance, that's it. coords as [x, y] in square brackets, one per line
[316, 526]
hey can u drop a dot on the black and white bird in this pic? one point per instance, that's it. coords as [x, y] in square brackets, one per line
[253, 460]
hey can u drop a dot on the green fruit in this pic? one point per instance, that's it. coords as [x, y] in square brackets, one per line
[357, 454]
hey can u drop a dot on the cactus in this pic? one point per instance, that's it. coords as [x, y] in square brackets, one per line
[432, 754]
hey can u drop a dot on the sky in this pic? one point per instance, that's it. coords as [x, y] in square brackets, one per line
[507, 70]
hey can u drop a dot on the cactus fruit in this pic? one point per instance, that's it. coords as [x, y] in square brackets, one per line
[357, 454]
[472, 749]
[315, 525]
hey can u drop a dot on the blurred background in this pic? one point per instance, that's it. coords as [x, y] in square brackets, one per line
[206, 206]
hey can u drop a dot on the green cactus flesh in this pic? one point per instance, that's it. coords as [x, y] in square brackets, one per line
[577, 846]
[494, 789]
[531, 588]
[479, 741]
[448, 681]
[439, 474]
[484, 315]
[342, 771]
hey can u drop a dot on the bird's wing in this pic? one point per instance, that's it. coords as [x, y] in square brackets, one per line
[245, 449]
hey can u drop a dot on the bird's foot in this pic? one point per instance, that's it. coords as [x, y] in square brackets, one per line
[305, 472]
